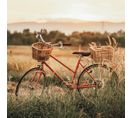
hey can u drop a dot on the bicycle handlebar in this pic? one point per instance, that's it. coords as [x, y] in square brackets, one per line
[39, 36]
[60, 43]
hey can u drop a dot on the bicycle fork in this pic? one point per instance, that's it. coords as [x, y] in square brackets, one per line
[35, 78]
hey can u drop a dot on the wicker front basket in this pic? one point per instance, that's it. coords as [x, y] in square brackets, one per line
[41, 51]
[102, 53]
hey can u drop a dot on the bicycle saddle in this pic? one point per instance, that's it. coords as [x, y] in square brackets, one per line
[82, 53]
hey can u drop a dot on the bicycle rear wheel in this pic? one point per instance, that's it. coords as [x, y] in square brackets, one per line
[94, 79]
[31, 83]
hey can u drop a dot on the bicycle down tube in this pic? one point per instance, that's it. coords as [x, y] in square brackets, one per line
[68, 84]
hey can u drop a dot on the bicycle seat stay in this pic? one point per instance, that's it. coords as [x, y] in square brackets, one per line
[82, 53]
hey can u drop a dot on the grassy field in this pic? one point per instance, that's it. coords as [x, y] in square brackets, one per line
[62, 102]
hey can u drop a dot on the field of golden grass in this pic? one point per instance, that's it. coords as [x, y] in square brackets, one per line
[57, 103]
[20, 58]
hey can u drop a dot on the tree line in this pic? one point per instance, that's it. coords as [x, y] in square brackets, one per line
[75, 38]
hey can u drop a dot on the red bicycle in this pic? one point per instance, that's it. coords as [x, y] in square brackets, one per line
[92, 79]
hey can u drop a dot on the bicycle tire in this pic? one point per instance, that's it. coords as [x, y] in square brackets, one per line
[24, 80]
[107, 82]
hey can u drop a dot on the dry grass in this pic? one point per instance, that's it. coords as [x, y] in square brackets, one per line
[58, 103]
[20, 59]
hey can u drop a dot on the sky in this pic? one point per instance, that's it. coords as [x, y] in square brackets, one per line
[90, 10]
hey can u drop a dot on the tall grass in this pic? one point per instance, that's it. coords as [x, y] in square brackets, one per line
[109, 104]
[62, 102]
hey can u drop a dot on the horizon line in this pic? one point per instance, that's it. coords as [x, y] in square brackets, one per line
[64, 20]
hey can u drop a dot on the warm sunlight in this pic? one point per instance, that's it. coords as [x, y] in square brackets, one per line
[91, 10]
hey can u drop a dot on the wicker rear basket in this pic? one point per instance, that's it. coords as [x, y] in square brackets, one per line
[99, 54]
[41, 51]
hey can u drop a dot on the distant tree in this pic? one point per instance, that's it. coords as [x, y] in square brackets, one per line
[26, 31]
[83, 38]
[9, 39]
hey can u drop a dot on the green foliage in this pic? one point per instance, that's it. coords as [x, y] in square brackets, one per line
[18, 38]
[83, 38]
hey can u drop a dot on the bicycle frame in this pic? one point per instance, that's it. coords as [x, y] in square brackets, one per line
[71, 84]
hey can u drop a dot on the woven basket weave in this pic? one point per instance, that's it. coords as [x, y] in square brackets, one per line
[41, 51]
[99, 54]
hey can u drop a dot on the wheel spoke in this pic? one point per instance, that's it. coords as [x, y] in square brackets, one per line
[31, 84]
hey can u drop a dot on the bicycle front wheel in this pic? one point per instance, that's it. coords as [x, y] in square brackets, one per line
[94, 79]
[31, 83]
